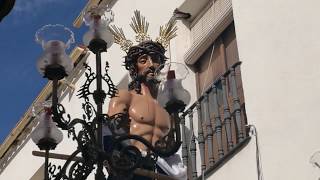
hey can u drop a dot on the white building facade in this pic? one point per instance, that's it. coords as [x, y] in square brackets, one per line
[276, 88]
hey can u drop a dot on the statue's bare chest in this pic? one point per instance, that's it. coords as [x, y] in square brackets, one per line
[145, 110]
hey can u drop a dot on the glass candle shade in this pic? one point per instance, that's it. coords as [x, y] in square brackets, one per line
[54, 63]
[98, 19]
[172, 93]
[46, 135]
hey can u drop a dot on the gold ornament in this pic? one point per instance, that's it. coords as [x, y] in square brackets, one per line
[167, 32]
[140, 27]
[120, 38]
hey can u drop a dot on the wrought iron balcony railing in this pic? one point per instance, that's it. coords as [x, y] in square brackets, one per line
[219, 115]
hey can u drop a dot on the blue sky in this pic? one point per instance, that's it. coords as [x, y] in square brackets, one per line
[20, 80]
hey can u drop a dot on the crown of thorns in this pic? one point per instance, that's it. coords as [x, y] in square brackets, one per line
[153, 49]
[140, 27]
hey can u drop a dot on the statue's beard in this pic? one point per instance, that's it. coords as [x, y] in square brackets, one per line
[150, 80]
[149, 77]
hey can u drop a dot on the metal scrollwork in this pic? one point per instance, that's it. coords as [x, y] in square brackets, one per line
[86, 146]
[85, 136]
[167, 145]
[58, 117]
[80, 170]
[118, 124]
[53, 170]
[62, 171]
[112, 88]
[84, 91]
[126, 159]
[89, 111]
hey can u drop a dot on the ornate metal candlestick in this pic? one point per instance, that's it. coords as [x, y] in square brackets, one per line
[119, 159]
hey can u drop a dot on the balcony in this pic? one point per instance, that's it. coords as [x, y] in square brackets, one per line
[214, 127]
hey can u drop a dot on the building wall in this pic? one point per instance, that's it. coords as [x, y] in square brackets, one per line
[23, 165]
[279, 46]
[23, 160]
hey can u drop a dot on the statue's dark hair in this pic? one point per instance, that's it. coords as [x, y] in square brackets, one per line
[154, 49]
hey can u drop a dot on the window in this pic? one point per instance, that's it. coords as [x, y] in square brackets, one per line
[221, 111]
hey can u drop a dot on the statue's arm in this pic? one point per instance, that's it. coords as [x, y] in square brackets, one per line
[120, 103]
